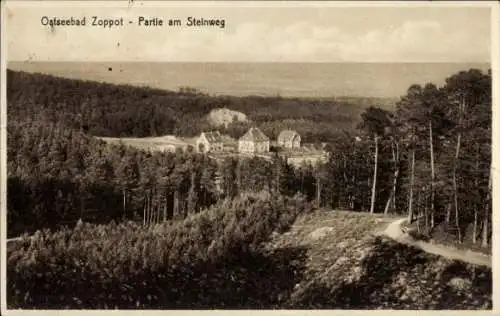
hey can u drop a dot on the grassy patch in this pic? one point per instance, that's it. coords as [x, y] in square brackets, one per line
[152, 143]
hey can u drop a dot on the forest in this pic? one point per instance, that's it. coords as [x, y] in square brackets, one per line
[52, 121]
[109, 110]
[428, 158]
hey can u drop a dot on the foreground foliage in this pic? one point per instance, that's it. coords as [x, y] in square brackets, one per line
[204, 264]
[128, 266]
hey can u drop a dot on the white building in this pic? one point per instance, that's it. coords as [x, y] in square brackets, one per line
[289, 139]
[254, 141]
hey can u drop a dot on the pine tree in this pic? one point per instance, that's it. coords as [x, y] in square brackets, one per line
[374, 122]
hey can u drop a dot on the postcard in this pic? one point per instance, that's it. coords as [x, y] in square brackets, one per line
[243, 156]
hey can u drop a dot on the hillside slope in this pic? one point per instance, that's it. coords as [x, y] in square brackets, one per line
[348, 267]
[330, 260]
[110, 110]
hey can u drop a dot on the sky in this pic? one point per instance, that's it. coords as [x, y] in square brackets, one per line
[255, 33]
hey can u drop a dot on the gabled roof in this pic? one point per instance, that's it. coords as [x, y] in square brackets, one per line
[287, 135]
[255, 135]
[213, 137]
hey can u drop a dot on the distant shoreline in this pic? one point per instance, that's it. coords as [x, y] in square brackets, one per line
[303, 97]
[384, 81]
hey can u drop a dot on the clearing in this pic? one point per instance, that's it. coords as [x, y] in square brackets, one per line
[167, 142]
[224, 116]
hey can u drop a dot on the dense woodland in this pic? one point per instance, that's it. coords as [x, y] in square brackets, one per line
[428, 158]
[58, 175]
[52, 121]
[431, 157]
[101, 109]
[74, 169]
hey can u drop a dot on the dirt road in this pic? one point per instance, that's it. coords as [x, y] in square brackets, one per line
[394, 231]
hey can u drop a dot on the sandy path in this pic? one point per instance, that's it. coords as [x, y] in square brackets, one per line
[394, 231]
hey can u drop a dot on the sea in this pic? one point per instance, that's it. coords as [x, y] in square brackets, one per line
[317, 80]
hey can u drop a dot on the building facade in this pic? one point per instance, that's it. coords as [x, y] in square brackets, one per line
[209, 142]
[289, 139]
[254, 141]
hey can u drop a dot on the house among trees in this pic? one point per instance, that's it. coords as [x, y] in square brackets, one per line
[254, 141]
[289, 139]
[209, 141]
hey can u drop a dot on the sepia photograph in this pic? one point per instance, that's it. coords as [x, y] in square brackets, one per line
[247, 155]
